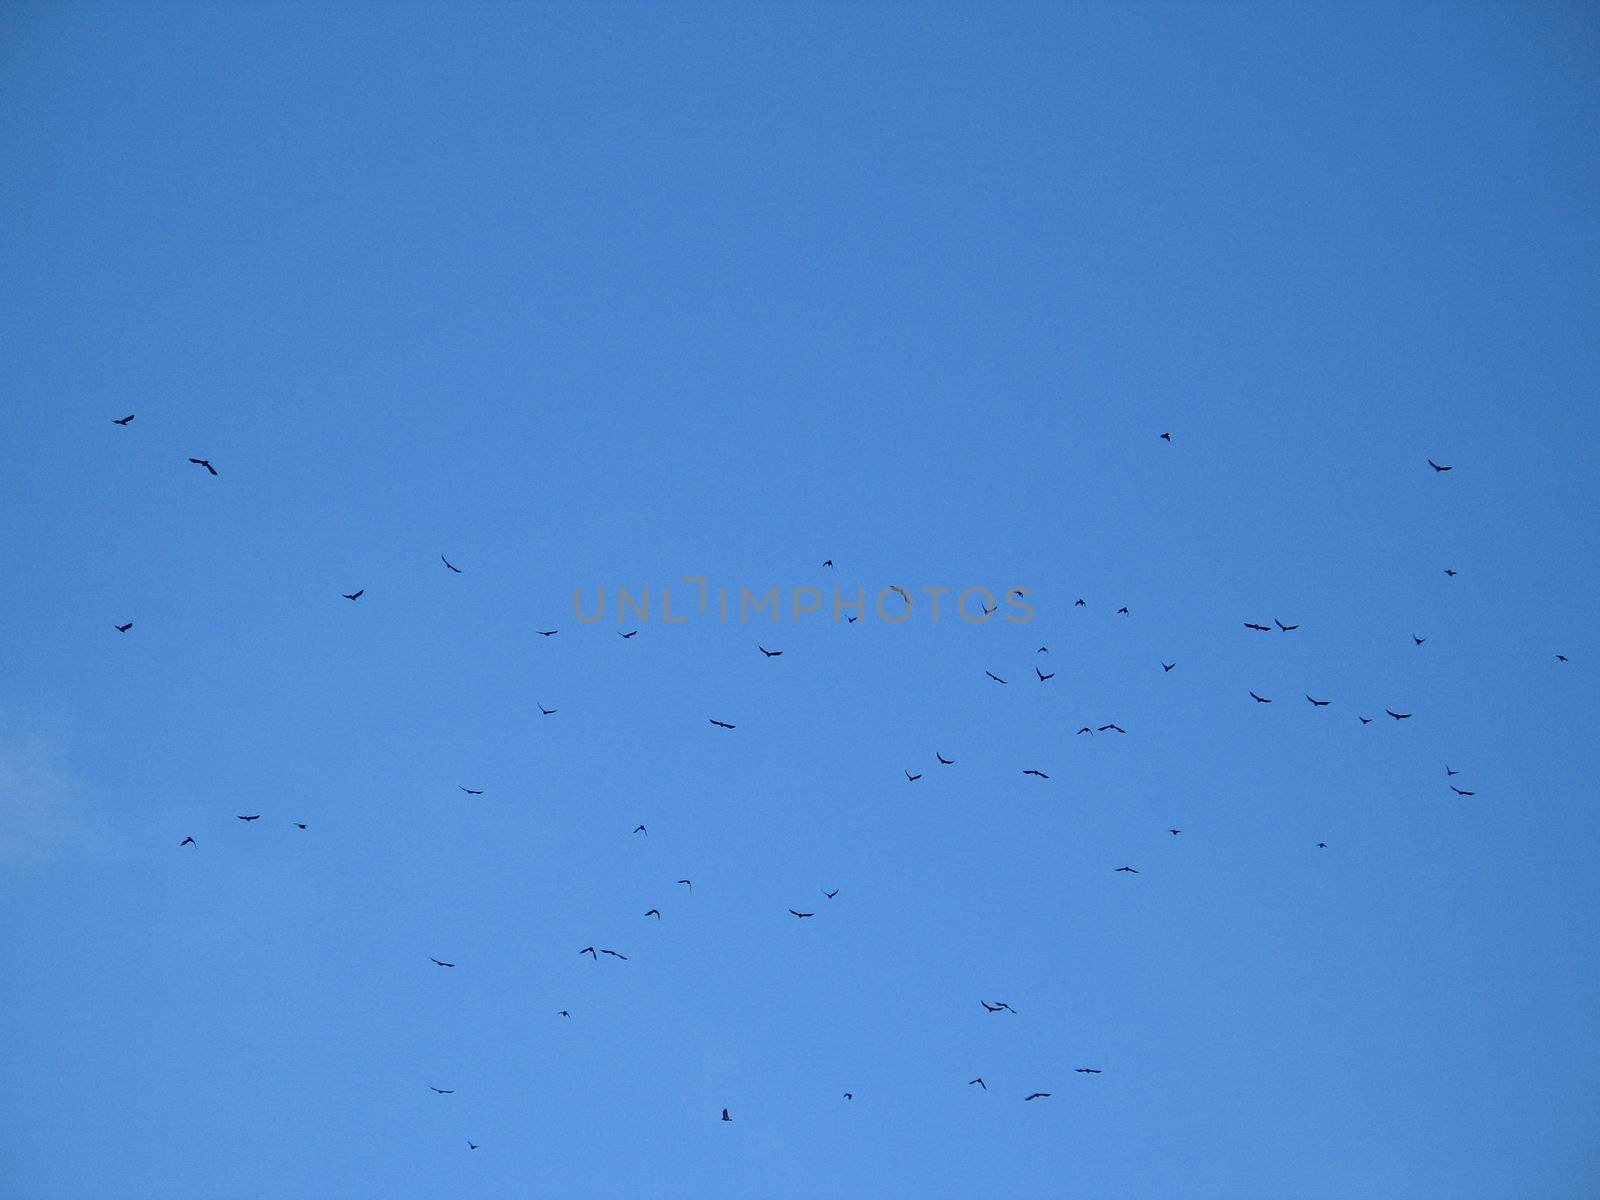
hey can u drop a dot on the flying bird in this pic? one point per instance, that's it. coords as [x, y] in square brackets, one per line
[1259, 699]
[654, 912]
[564, 1013]
[449, 564]
[257, 817]
[769, 653]
[629, 634]
[994, 677]
[471, 791]
[949, 762]
[1040, 774]
[442, 1091]
[1129, 870]
[643, 830]
[547, 632]
[1365, 720]
[1174, 832]
[1459, 792]
[123, 628]
[1320, 703]
[1561, 658]
[1038, 1096]
[828, 563]
[1042, 650]
[849, 1095]
[832, 894]
[356, 595]
[901, 592]
[1122, 612]
[299, 824]
[1437, 467]
[204, 462]
[1088, 1070]
[1448, 772]
[725, 1115]
[1418, 640]
[801, 914]
[1112, 728]
[1259, 628]
[1449, 572]
[1284, 628]
[1166, 437]
[979, 1081]
[1000, 1007]
[1322, 845]
[1078, 603]
[912, 778]
[687, 883]
[188, 841]
[589, 950]
[614, 954]
[1042, 676]
[1087, 730]
[124, 420]
[721, 724]
[471, 1145]
[437, 963]
[1395, 715]
[1166, 666]
[549, 712]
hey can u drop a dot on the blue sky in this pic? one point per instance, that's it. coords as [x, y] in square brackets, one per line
[599, 296]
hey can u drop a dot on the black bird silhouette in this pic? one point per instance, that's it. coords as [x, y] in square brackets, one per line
[123, 628]
[449, 564]
[832, 894]
[1418, 640]
[1078, 603]
[1166, 437]
[1459, 792]
[614, 954]
[801, 914]
[1038, 1096]
[828, 563]
[299, 824]
[1174, 832]
[589, 950]
[1284, 628]
[1448, 771]
[653, 912]
[687, 883]
[1258, 628]
[547, 632]
[1395, 715]
[471, 1145]
[1561, 658]
[1259, 699]
[643, 830]
[1166, 666]
[1320, 703]
[1042, 650]
[437, 963]
[1088, 1070]
[911, 777]
[979, 1081]
[564, 1013]
[1437, 467]
[356, 595]
[849, 1095]
[1042, 676]
[725, 1115]
[124, 420]
[204, 462]
[1040, 774]
[721, 724]
[949, 762]
[852, 620]
[471, 791]
[549, 712]
[257, 817]
[1112, 728]
[442, 1091]
[1000, 1007]
[1322, 845]
[1129, 870]
[1122, 612]
[1087, 730]
[629, 634]
[769, 653]
[188, 841]
[901, 592]
[994, 677]
[1365, 720]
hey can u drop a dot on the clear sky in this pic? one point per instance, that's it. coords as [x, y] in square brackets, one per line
[608, 295]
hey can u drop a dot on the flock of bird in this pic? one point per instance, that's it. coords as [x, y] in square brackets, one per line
[595, 952]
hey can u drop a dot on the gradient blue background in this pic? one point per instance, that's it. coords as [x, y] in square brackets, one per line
[602, 295]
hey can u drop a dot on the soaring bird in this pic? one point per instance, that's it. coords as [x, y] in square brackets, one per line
[994, 677]
[1078, 603]
[912, 778]
[1322, 845]
[547, 632]
[979, 1081]
[1002, 1006]
[642, 829]
[564, 1013]
[471, 1145]
[1365, 720]
[1042, 650]
[1449, 572]
[614, 954]
[725, 1115]
[442, 1091]
[124, 420]
[299, 824]
[549, 712]
[1111, 728]
[653, 912]
[257, 817]
[1258, 628]
[1042, 676]
[1038, 1096]
[828, 563]
[437, 963]
[849, 1095]
[1040, 774]
[687, 883]
[123, 628]
[589, 950]
[629, 634]
[204, 462]
[769, 653]
[1459, 792]
[356, 595]
[471, 791]
[1122, 612]
[1437, 467]
[1448, 772]
[188, 841]
[901, 592]
[721, 724]
[1087, 730]
[832, 894]
[949, 762]
[449, 564]
[1320, 703]
[1166, 437]
[1395, 715]
[1284, 628]
[1174, 832]
[1562, 658]
[1418, 640]
[1088, 1070]
[1166, 666]
[1129, 870]
[852, 620]
[801, 914]
[1259, 699]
